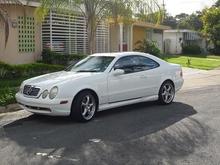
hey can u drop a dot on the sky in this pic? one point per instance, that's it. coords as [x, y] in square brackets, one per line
[175, 7]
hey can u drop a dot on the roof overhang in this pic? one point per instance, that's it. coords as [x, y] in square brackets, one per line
[180, 31]
[135, 22]
[151, 25]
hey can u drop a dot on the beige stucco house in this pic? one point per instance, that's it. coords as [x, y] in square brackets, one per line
[123, 37]
[65, 32]
[24, 41]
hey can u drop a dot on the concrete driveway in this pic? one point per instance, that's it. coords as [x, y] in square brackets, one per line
[185, 132]
[195, 78]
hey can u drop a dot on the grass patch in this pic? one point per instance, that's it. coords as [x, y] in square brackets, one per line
[202, 62]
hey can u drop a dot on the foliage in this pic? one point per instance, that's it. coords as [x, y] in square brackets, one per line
[217, 3]
[7, 96]
[148, 11]
[11, 76]
[26, 70]
[50, 57]
[191, 49]
[199, 62]
[211, 21]
[192, 21]
[184, 21]
[148, 47]
[170, 21]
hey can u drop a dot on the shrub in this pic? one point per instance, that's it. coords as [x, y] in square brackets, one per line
[26, 70]
[148, 47]
[191, 49]
[7, 96]
[215, 51]
[50, 57]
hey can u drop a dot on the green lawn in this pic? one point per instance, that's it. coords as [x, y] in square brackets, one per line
[205, 63]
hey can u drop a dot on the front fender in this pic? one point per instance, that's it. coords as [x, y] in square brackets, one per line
[71, 88]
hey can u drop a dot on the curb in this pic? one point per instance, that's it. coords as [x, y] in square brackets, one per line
[9, 108]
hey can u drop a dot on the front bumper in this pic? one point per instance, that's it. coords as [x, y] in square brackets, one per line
[45, 106]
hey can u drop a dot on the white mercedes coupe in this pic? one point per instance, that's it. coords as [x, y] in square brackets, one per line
[100, 82]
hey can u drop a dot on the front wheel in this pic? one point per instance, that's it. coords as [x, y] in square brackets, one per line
[166, 93]
[84, 107]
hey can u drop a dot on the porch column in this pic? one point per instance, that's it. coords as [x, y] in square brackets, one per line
[131, 38]
[121, 36]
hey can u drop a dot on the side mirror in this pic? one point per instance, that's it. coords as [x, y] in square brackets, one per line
[118, 72]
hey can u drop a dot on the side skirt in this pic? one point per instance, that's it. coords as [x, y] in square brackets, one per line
[128, 102]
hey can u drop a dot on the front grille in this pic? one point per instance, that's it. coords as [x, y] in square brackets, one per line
[30, 90]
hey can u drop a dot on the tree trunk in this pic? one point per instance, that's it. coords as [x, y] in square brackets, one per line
[91, 31]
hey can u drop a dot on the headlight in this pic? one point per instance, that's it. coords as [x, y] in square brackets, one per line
[53, 92]
[44, 94]
[21, 88]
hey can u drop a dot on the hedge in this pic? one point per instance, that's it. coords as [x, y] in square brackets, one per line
[50, 57]
[191, 49]
[26, 70]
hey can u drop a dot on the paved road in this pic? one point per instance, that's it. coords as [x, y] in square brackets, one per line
[186, 132]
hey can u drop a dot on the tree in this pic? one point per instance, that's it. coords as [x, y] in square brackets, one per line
[5, 19]
[217, 3]
[148, 11]
[95, 11]
[184, 21]
[181, 16]
[211, 22]
[169, 20]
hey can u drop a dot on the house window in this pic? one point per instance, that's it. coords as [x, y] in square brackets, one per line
[26, 34]
[149, 34]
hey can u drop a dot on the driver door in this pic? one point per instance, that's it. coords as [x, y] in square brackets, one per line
[126, 86]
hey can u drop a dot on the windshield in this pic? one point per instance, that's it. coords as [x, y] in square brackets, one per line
[91, 64]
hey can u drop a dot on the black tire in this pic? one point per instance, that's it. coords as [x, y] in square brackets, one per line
[80, 111]
[166, 93]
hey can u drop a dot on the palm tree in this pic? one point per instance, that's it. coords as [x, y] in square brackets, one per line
[5, 19]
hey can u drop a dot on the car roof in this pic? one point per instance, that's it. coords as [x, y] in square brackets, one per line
[122, 54]
[119, 54]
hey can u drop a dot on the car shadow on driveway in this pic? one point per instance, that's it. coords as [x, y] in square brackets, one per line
[139, 133]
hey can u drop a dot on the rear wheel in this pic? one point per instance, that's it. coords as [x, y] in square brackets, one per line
[166, 93]
[84, 106]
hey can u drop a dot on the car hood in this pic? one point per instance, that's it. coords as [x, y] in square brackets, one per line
[55, 78]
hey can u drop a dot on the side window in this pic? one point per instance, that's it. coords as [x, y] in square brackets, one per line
[125, 63]
[145, 63]
[132, 64]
